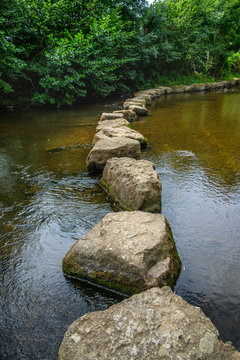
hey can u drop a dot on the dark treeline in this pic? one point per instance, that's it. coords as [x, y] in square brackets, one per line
[59, 51]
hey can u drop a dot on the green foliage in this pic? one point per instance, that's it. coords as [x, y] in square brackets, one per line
[86, 63]
[233, 62]
[11, 66]
[59, 51]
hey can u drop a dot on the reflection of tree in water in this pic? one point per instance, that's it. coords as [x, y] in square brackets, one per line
[205, 124]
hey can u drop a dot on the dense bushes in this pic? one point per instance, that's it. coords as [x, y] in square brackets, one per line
[59, 51]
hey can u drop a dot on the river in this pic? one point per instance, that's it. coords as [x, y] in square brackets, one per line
[48, 200]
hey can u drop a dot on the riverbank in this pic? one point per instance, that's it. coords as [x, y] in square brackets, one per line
[9, 105]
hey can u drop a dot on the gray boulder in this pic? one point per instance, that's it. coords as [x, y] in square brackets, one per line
[122, 131]
[112, 123]
[215, 85]
[137, 100]
[126, 251]
[127, 114]
[229, 83]
[99, 136]
[150, 92]
[166, 89]
[128, 103]
[139, 110]
[110, 116]
[154, 93]
[111, 147]
[201, 87]
[133, 184]
[191, 88]
[154, 325]
[148, 98]
[178, 89]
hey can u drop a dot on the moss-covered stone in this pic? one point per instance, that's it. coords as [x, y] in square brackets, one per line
[126, 252]
[71, 268]
[115, 282]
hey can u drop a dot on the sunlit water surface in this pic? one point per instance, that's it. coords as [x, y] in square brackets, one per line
[48, 200]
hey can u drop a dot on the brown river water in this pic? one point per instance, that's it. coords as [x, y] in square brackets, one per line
[48, 200]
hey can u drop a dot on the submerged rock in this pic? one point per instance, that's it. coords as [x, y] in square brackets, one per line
[133, 184]
[155, 325]
[122, 131]
[69, 147]
[111, 147]
[126, 251]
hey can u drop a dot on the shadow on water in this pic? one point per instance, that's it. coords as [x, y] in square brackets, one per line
[47, 201]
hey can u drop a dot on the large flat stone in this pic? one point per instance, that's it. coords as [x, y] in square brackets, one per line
[133, 184]
[122, 131]
[178, 89]
[111, 116]
[139, 110]
[128, 103]
[154, 93]
[137, 100]
[112, 147]
[126, 251]
[154, 325]
[229, 83]
[128, 114]
[215, 85]
[165, 89]
[112, 123]
[147, 97]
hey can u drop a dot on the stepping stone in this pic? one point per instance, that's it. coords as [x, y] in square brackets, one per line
[110, 116]
[154, 325]
[133, 184]
[111, 147]
[112, 123]
[122, 131]
[128, 114]
[126, 251]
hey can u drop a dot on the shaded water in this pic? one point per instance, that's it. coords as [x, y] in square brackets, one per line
[47, 201]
